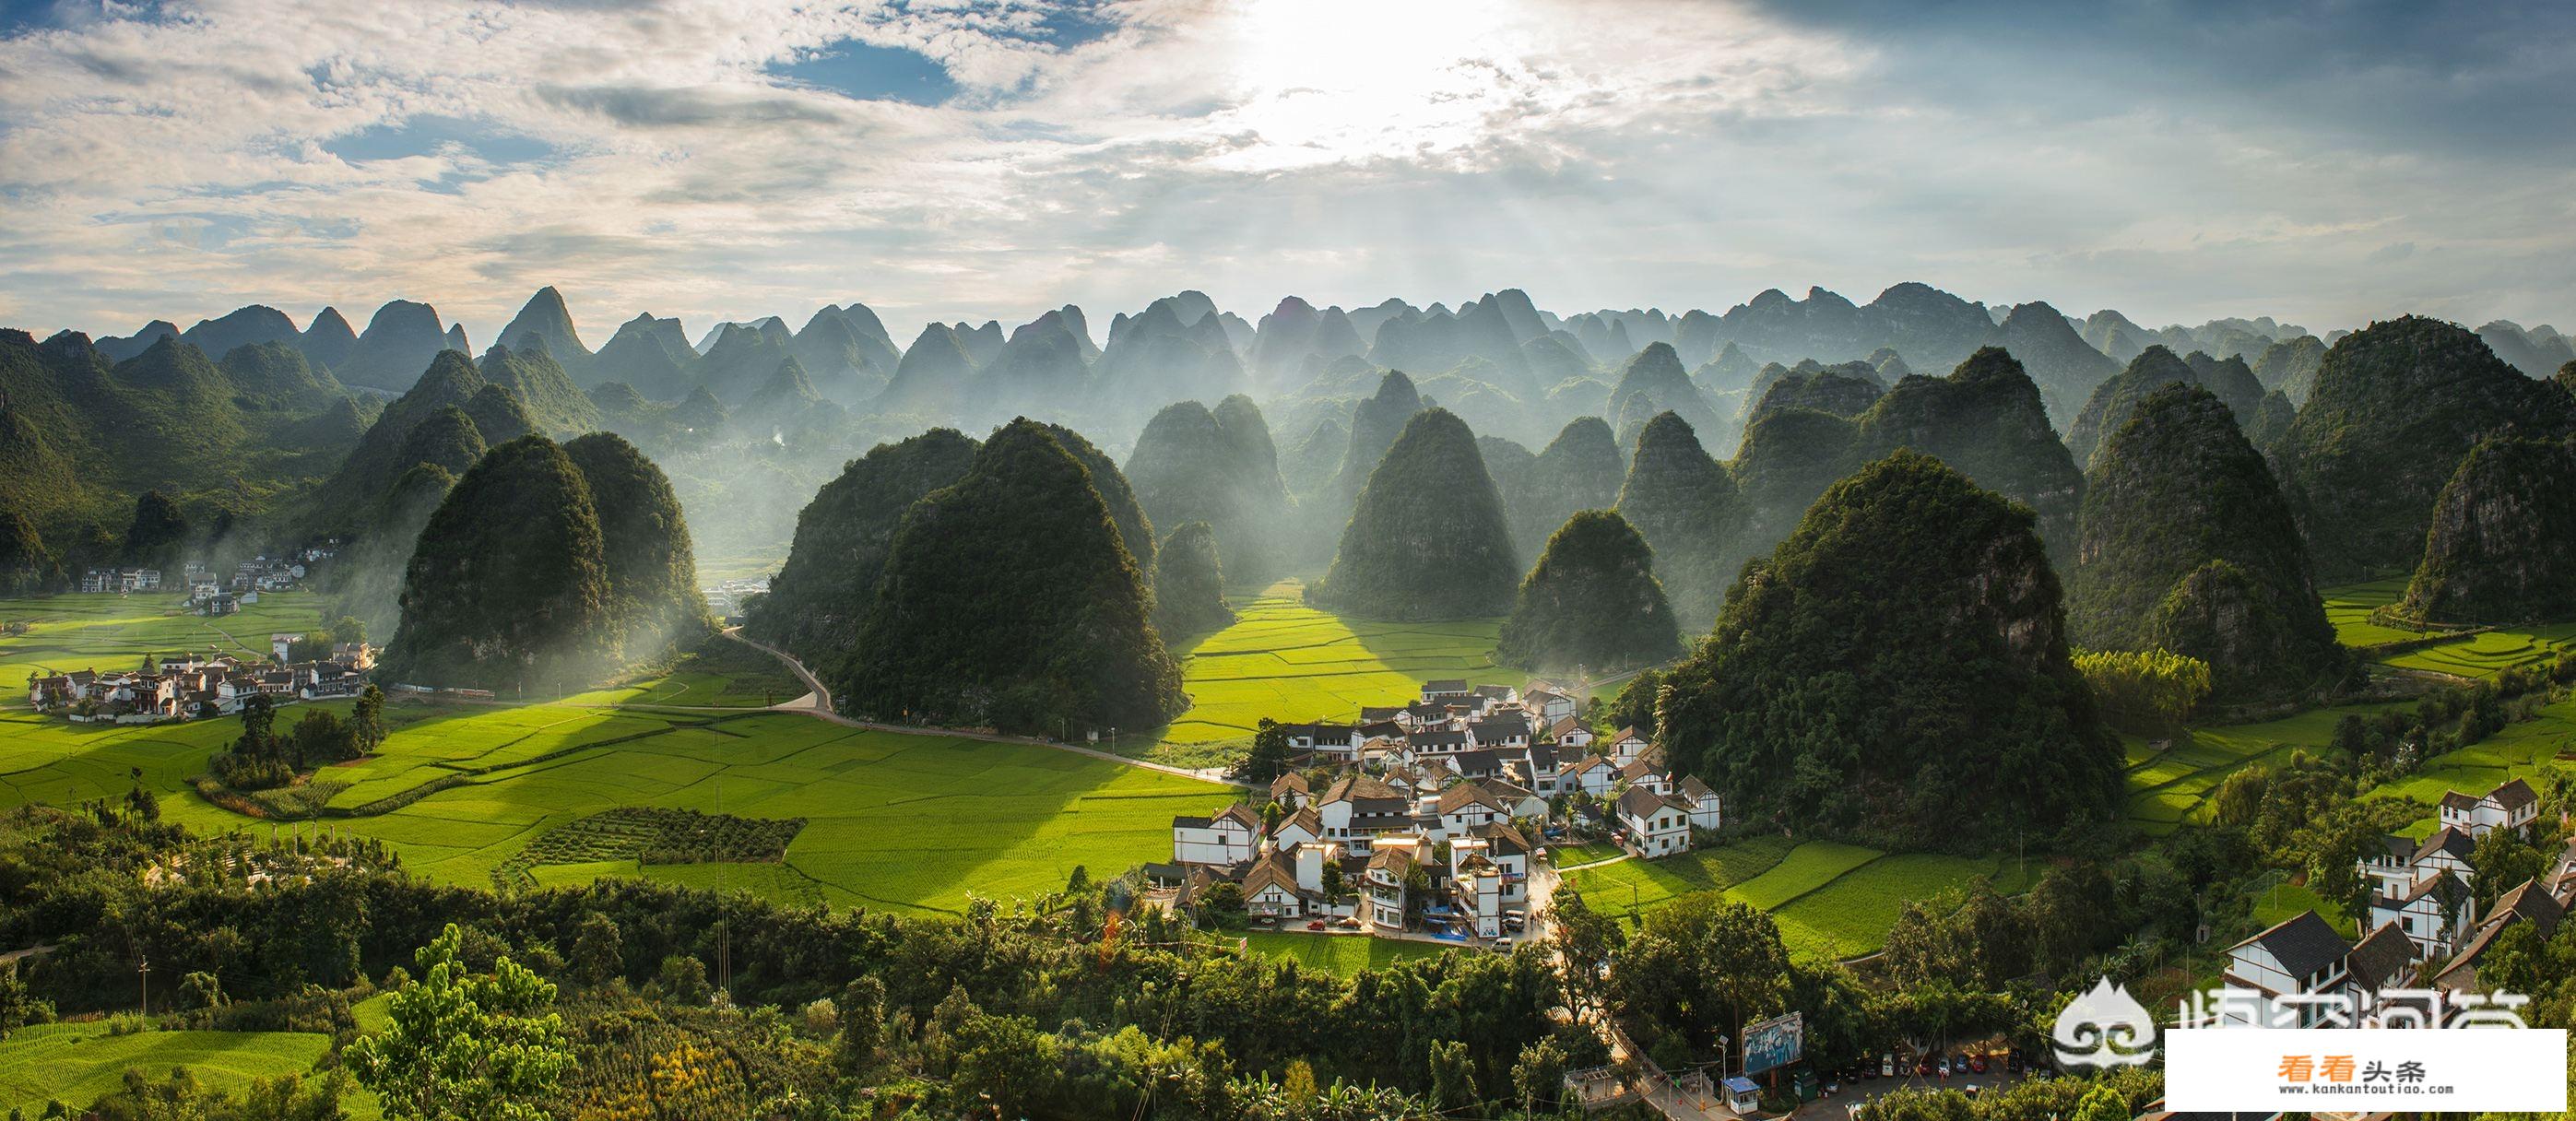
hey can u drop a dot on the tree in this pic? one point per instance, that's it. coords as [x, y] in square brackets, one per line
[367, 719]
[2504, 862]
[1539, 1076]
[2149, 692]
[598, 951]
[1269, 758]
[1453, 1075]
[1700, 967]
[465, 1045]
[1592, 600]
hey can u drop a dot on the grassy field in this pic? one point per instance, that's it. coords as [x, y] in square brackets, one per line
[1830, 899]
[1345, 954]
[1290, 662]
[2490, 652]
[79, 1063]
[721, 673]
[105, 632]
[906, 821]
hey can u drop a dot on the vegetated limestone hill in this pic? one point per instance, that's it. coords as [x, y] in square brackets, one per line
[2153, 369]
[1189, 583]
[2187, 545]
[1375, 423]
[1219, 467]
[2502, 548]
[1579, 470]
[1655, 382]
[509, 586]
[1135, 530]
[1426, 539]
[452, 381]
[652, 569]
[1591, 601]
[1010, 600]
[2289, 366]
[1985, 419]
[829, 583]
[1896, 671]
[1685, 506]
[2397, 405]
[81, 436]
[1845, 391]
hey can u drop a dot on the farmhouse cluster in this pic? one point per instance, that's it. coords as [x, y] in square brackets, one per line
[183, 686]
[212, 591]
[1428, 815]
[2422, 910]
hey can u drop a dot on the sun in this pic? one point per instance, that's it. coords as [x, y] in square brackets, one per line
[1325, 81]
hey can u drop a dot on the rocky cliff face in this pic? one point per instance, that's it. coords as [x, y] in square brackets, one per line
[2502, 546]
[2397, 405]
[2187, 545]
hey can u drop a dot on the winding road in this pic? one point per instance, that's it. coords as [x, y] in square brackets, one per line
[817, 702]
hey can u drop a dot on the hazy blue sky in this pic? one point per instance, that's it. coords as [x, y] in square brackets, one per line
[2324, 162]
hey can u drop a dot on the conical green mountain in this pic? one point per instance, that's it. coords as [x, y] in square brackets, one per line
[1191, 464]
[2397, 405]
[1375, 423]
[2289, 367]
[783, 401]
[1844, 391]
[1189, 583]
[448, 439]
[1591, 602]
[649, 354]
[829, 583]
[553, 402]
[1426, 539]
[1010, 601]
[1654, 382]
[1135, 530]
[545, 317]
[652, 571]
[1578, 470]
[1685, 505]
[2502, 548]
[509, 586]
[2153, 369]
[1897, 673]
[2175, 490]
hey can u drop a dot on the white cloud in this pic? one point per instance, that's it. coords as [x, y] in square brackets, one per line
[1618, 153]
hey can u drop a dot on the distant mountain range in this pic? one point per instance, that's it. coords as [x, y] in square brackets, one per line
[1506, 364]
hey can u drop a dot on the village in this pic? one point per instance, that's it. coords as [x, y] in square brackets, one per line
[2422, 935]
[1432, 819]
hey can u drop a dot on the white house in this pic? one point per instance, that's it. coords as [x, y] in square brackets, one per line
[1465, 806]
[1591, 774]
[1568, 732]
[1547, 705]
[1226, 838]
[1502, 847]
[1505, 731]
[1627, 746]
[1699, 803]
[1388, 868]
[2510, 806]
[1655, 827]
[1270, 889]
[1476, 887]
[2432, 912]
[2299, 957]
[1640, 773]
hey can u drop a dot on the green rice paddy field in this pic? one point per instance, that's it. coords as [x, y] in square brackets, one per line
[1290, 662]
[1345, 954]
[78, 1063]
[1830, 899]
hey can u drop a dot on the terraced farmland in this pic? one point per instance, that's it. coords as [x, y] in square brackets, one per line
[1287, 661]
[2167, 788]
[1830, 899]
[2490, 652]
[2348, 609]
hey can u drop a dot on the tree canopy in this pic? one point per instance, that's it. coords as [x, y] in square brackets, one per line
[1591, 601]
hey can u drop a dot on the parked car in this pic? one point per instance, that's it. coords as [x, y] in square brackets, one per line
[1855, 1109]
[1971, 1091]
[1977, 1063]
[1833, 1085]
[1318, 924]
[1887, 1065]
[1923, 1067]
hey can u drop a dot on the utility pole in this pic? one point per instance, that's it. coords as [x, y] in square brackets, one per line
[143, 969]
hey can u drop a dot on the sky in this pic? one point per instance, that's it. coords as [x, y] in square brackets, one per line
[2322, 161]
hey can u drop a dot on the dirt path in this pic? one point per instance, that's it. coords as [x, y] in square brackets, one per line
[817, 702]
